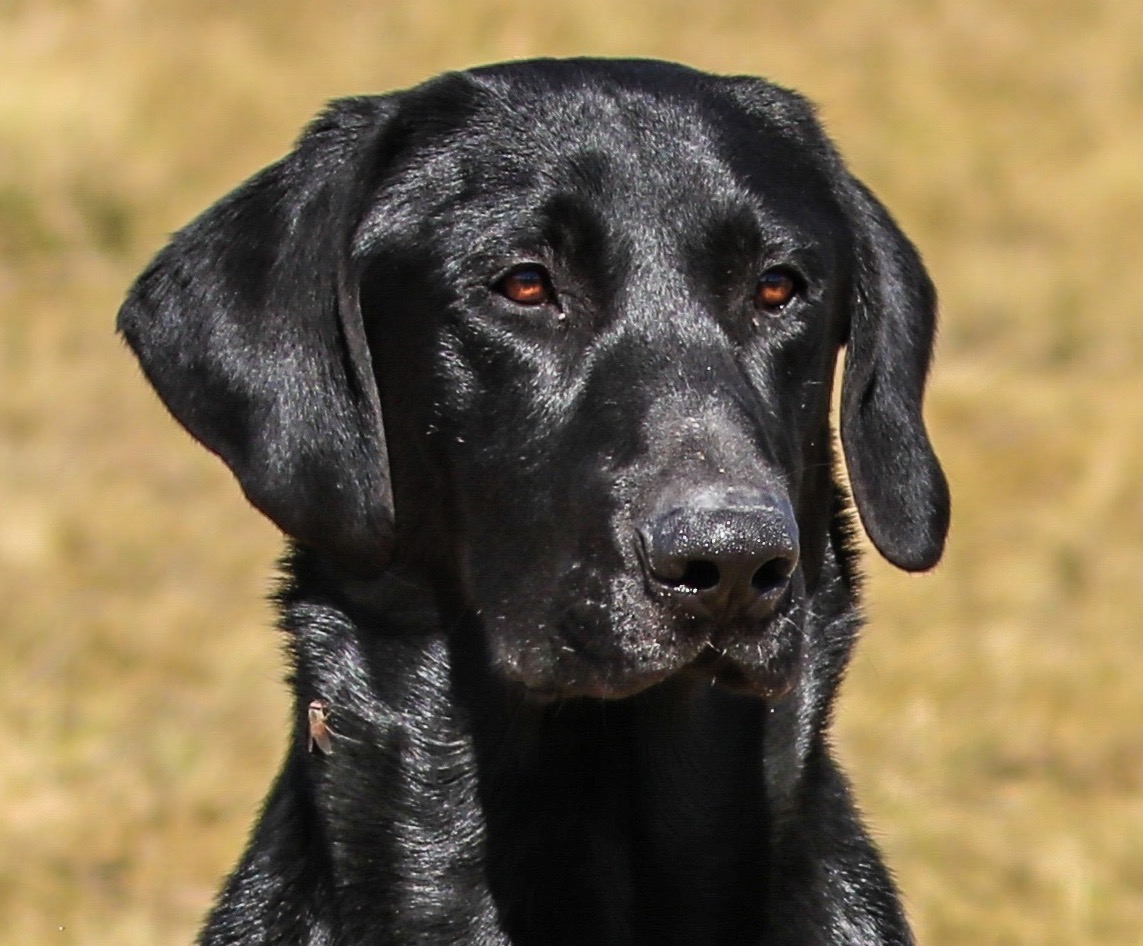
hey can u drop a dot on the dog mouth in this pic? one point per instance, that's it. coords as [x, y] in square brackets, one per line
[588, 655]
[727, 670]
[715, 667]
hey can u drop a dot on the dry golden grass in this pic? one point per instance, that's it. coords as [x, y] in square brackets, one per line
[993, 716]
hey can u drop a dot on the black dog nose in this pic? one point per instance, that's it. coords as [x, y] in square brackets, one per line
[723, 562]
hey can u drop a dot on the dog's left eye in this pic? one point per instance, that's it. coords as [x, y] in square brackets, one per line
[528, 285]
[777, 287]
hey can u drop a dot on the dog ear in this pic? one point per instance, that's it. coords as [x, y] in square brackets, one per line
[248, 326]
[899, 488]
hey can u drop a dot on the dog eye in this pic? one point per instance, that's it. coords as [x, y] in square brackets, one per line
[776, 288]
[528, 285]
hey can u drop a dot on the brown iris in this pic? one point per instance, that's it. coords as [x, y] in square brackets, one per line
[526, 286]
[775, 289]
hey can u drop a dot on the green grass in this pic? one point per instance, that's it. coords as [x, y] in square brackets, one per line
[992, 716]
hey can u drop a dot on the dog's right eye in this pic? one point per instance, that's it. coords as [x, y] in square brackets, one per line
[528, 285]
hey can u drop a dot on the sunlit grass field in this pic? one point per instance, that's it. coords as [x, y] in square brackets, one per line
[993, 719]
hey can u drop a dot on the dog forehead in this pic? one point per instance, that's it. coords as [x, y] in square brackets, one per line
[655, 118]
[636, 136]
[654, 152]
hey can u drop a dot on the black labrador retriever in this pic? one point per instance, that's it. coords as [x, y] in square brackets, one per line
[534, 363]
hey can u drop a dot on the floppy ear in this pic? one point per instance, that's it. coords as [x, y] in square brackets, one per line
[900, 490]
[248, 325]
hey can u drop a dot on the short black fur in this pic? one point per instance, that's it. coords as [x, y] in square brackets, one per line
[572, 579]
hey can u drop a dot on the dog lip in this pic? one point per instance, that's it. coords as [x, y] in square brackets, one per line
[715, 667]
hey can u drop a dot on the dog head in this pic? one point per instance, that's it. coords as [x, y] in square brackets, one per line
[560, 337]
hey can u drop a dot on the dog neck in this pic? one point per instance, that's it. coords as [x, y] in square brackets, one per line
[455, 808]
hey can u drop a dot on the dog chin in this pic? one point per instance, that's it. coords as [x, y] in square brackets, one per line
[574, 676]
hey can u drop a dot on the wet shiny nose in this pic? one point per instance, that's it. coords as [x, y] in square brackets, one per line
[723, 562]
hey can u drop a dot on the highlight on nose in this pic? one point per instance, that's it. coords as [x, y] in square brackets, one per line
[723, 561]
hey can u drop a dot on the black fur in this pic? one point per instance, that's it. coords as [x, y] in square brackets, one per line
[573, 580]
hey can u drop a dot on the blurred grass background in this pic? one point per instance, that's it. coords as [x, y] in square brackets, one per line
[993, 717]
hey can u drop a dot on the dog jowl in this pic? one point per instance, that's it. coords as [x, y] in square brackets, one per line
[534, 364]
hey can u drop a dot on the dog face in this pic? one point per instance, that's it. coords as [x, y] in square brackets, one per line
[560, 336]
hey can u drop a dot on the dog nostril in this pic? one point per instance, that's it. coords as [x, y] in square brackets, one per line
[771, 576]
[721, 563]
[700, 575]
